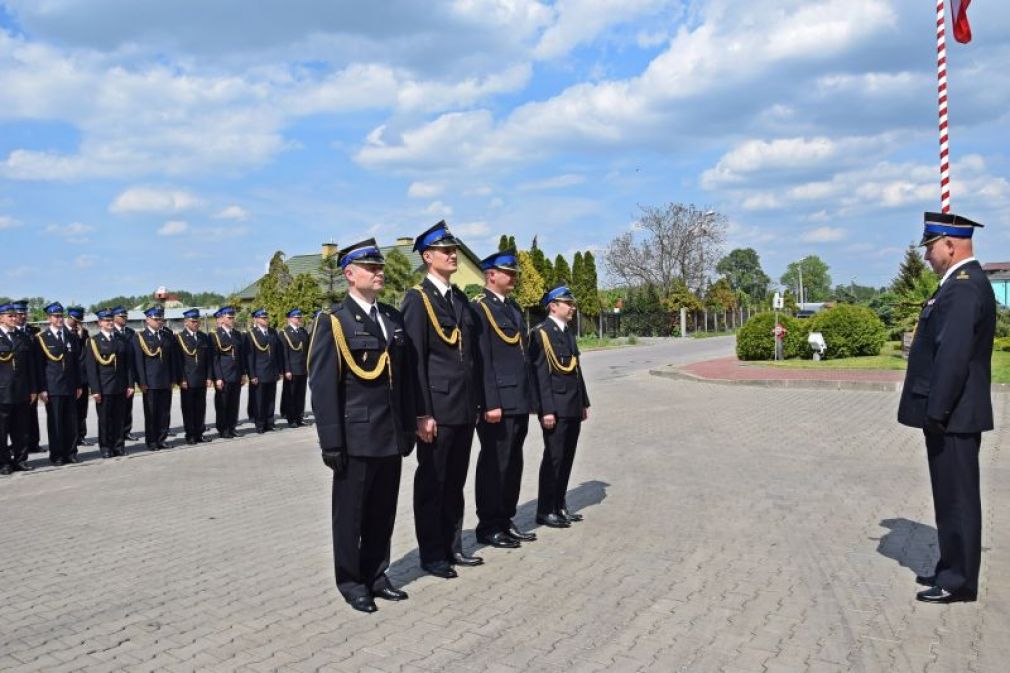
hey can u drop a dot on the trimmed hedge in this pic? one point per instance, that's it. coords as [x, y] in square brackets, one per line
[850, 331]
[1001, 344]
[754, 340]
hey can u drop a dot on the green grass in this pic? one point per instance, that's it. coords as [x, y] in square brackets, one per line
[889, 359]
[587, 343]
[706, 335]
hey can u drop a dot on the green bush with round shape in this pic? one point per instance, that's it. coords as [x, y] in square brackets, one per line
[1001, 344]
[754, 341]
[850, 331]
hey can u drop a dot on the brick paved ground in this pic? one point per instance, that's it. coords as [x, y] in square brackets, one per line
[727, 529]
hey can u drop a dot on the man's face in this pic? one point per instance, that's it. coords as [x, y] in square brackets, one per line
[56, 320]
[366, 277]
[153, 323]
[562, 310]
[263, 322]
[22, 319]
[939, 255]
[501, 281]
[9, 320]
[192, 324]
[295, 321]
[105, 324]
[119, 320]
[227, 321]
[442, 260]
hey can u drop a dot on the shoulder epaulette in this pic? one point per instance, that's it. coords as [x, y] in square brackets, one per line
[479, 298]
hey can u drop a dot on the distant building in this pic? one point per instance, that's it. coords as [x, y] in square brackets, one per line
[469, 272]
[999, 276]
[173, 318]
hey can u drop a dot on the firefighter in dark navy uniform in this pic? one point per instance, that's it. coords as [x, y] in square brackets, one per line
[120, 318]
[362, 391]
[74, 322]
[228, 368]
[264, 363]
[110, 378]
[29, 331]
[947, 393]
[153, 353]
[563, 402]
[18, 389]
[294, 348]
[193, 374]
[442, 330]
[59, 384]
[508, 400]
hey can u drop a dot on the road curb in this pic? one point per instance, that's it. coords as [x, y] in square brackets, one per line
[674, 372]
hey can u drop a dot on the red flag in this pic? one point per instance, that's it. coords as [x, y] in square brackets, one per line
[962, 30]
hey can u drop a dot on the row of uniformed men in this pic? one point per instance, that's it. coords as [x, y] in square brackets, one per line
[432, 373]
[63, 365]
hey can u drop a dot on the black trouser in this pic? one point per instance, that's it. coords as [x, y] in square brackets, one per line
[81, 407]
[61, 424]
[226, 402]
[127, 419]
[556, 466]
[33, 427]
[13, 434]
[363, 510]
[293, 398]
[111, 412]
[157, 415]
[438, 492]
[194, 410]
[499, 472]
[954, 476]
[263, 395]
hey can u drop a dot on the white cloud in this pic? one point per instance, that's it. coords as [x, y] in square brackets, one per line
[580, 21]
[823, 235]
[7, 222]
[153, 200]
[72, 232]
[438, 209]
[556, 182]
[173, 228]
[424, 190]
[233, 212]
[474, 229]
[85, 261]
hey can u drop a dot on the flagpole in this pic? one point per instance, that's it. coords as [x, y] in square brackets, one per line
[941, 75]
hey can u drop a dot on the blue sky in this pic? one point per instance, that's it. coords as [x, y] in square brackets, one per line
[145, 143]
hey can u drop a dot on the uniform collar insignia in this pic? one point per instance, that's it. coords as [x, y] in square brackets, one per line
[963, 275]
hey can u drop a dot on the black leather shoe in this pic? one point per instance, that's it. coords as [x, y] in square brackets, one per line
[6, 469]
[190, 441]
[119, 452]
[84, 442]
[552, 520]
[571, 516]
[440, 569]
[202, 440]
[517, 534]
[162, 445]
[56, 463]
[364, 604]
[23, 467]
[106, 454]
[942, 596]
[153, 447]
[73, 459]
[461, 559]
[132, 438]
[499, 539]
[391, 594]
[926, 580]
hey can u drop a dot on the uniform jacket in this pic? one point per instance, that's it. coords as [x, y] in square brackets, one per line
[155, 371]
[563, 395]
[446, 376]
[949, 366]
[264, 356]
[294, 342]
[194, 369]
[58, 365]
[81, 337]
[18, 380]
[115, 377]
[374, 418]
[228, 361]
[504, 368]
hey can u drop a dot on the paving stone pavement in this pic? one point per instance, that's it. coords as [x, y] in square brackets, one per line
[733, 530]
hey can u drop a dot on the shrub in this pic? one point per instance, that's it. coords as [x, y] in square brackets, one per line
[1001, 344]
[850, 331]
[754, 340]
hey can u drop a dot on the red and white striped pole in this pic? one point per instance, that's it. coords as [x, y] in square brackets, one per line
[941, 74]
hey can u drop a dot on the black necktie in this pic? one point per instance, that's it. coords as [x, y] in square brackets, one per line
[59, 337]
[373, 313]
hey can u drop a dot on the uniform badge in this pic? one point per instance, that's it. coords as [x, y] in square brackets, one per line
[963, 275]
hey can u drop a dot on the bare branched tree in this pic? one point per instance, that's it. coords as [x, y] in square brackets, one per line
[675, 242]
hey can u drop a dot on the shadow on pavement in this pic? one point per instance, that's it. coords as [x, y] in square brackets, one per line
[407, 568]
[910, 543]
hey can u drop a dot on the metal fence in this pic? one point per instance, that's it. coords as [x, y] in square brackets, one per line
[664, 323]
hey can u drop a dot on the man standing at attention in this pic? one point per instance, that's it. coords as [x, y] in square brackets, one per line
[564, 404]
[264, 361]
[442, 331]
[193, 374]
[947, 393]
[59, 372]
[153, 354]
[508, 401]
[228, 372]
[294, 339]
[110, 378]
[362, 397]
